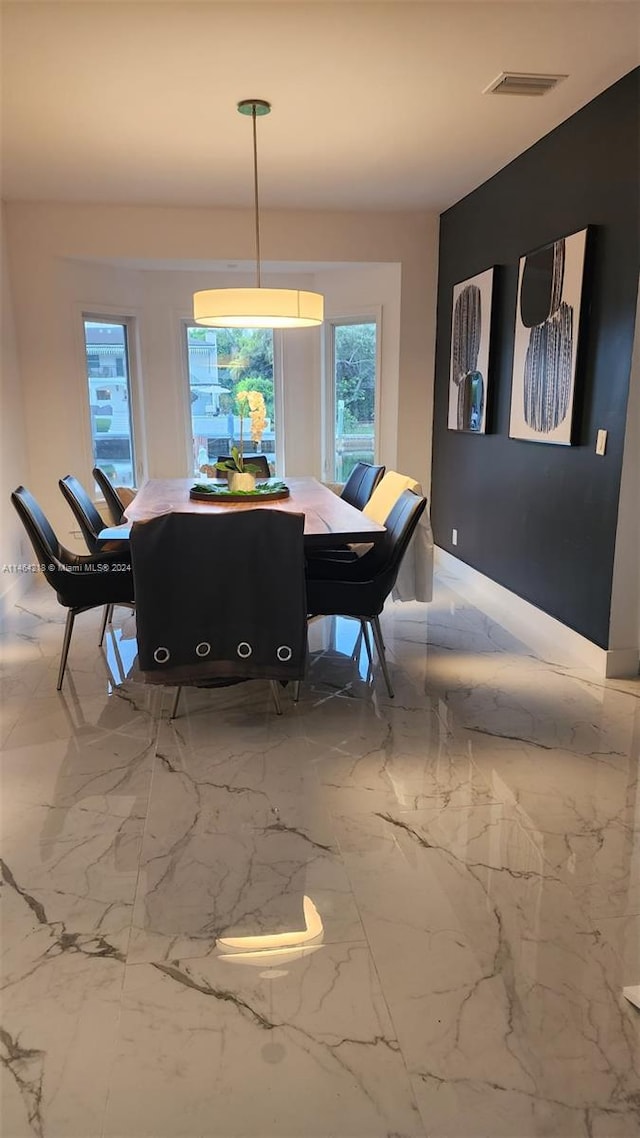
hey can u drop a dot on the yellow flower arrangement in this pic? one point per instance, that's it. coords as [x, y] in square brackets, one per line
[257, 413]
[254, 402]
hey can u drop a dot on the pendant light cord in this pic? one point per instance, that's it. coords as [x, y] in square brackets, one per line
[257, 307]
[255, 192]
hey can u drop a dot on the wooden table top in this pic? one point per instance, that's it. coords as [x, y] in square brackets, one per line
[328, 520]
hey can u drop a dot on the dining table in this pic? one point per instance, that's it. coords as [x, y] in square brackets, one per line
[328, 519]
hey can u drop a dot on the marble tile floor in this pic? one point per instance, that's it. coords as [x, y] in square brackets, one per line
[368, 918]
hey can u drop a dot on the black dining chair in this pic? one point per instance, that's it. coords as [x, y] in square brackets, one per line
[356, 491]
[259, 461]
[359, 587]
[361, 483]
[220, 598]
[91, 524]
[110, 495]
[84, 511]
[81, 581]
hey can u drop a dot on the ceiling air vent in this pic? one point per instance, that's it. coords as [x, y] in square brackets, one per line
[521, 83]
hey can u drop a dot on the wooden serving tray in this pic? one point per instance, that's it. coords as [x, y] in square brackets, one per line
[219, 496]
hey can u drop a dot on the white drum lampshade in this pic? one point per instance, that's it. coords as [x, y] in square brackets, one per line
[257, 307]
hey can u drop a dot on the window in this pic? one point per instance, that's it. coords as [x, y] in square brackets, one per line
[221, 362]
[351, 393]
[107, 353]
[93, 363]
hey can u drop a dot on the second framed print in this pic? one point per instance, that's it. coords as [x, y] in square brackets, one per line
[546, 341]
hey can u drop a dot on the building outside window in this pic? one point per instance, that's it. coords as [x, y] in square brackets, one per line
[108, 378]
[221, 362]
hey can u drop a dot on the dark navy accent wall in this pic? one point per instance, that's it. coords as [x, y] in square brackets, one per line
[538, 518]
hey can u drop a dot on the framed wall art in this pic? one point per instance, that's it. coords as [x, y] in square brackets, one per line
[470, 333]
[546, 341]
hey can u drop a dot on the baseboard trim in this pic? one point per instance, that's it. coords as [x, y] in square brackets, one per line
[622, 662]
[545, 635]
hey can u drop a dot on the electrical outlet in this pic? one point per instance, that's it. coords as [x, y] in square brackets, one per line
[601, 442]
[454, 537]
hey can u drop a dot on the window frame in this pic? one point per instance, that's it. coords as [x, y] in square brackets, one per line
[187, 322]
[105, 314]
[369, 315]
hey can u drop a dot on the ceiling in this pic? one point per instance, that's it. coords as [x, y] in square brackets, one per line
[375, 105]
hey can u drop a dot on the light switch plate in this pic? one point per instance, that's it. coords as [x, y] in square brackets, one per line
[601, 442]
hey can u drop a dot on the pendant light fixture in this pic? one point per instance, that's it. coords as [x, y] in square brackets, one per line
[257, 307]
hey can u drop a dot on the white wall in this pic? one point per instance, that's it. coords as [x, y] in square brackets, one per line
[57, 255]
[14, 548]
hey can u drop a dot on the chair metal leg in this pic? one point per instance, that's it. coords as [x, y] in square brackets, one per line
[176, 701]
[377, 636]
[276, 696]
[367, 642]
[107, 619]
[68, 629]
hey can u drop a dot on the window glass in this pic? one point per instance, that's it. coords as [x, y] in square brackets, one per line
[221, 362]
[354, 393]
[110, 402]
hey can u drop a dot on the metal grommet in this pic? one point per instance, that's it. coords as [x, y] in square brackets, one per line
[161, 655]
[284, 653]
[244, 650]
[203, 649]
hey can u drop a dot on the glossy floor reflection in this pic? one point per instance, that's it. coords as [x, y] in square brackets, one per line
[365, 918]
